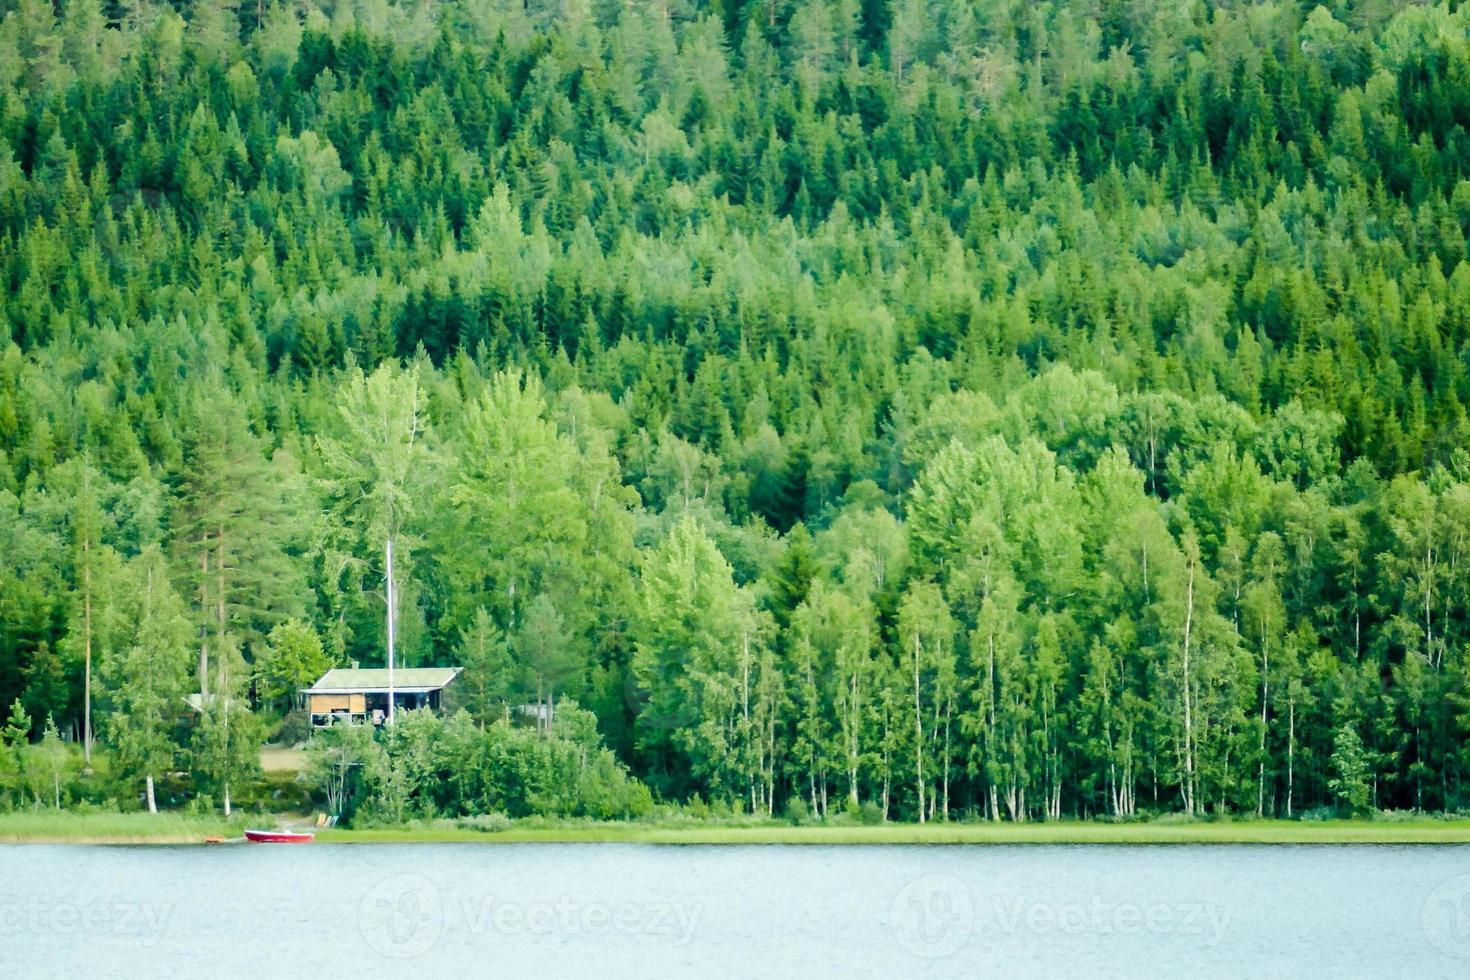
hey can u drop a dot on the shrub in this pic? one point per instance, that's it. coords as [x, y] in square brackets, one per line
[295, 728]
[490, 823]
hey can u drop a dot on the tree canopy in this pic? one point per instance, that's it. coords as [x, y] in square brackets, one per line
[1013, 409]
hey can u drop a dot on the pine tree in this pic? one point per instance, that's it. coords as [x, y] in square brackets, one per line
[489, 670]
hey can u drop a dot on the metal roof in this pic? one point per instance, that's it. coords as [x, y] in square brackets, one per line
[409, 680]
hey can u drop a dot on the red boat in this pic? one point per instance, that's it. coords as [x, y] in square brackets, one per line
[279, 836]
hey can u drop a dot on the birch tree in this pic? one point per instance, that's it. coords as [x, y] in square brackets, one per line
[690, 632]
[1266, 628]
[535, 511]
[147, 680]
[374, 465]
[926, 638]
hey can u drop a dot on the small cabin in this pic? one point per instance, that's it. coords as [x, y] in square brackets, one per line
[358, 695]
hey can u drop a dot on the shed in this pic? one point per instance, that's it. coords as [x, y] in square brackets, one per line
[360, 694]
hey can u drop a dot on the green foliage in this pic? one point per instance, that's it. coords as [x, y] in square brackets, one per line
[1349, 780]
[1036, 411]
[428, 767]
[293, 659]
[146, 682]
[373, 466]
[17, 727]
[698, 638]
[225, 746]
[344, 763]
[47, 766]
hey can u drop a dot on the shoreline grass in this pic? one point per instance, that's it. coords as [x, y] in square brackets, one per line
[41, 827]
[51, 827]
[1246, 832]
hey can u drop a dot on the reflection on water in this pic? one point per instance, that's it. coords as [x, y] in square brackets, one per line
[644, 911]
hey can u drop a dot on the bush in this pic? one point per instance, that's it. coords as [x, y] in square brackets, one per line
[427, 767]
[490, 823]
[295, 728]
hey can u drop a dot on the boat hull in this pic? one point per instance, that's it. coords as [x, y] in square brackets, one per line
[278, 837]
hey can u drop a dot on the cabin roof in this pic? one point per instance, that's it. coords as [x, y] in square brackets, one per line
[361, 680]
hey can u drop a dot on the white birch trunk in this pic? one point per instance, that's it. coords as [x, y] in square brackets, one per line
[1188, 706]
[918, 734]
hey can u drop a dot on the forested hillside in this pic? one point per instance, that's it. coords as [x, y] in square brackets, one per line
[1005, 409]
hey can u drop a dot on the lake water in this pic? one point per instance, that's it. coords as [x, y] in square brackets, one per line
[595, 911]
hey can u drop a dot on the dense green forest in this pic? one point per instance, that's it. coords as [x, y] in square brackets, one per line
[1005, 410]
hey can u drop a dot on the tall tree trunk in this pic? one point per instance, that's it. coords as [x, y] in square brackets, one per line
[1290, 748]
[747, 735]
[886, 788]
[990, 727]
[1265, 692]
[918, 734]
[152, 802]
[948, 707]
[1188, 706]
[887, 760]
[86, 653]
[1428, 602]
[853, 746]
[771, 761]
[224, 664]
[391, 597]
[203, 617]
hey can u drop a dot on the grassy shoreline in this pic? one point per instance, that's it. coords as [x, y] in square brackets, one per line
[50, 827]
[140, 828]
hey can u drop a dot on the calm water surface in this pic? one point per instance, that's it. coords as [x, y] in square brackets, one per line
[689, 911]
